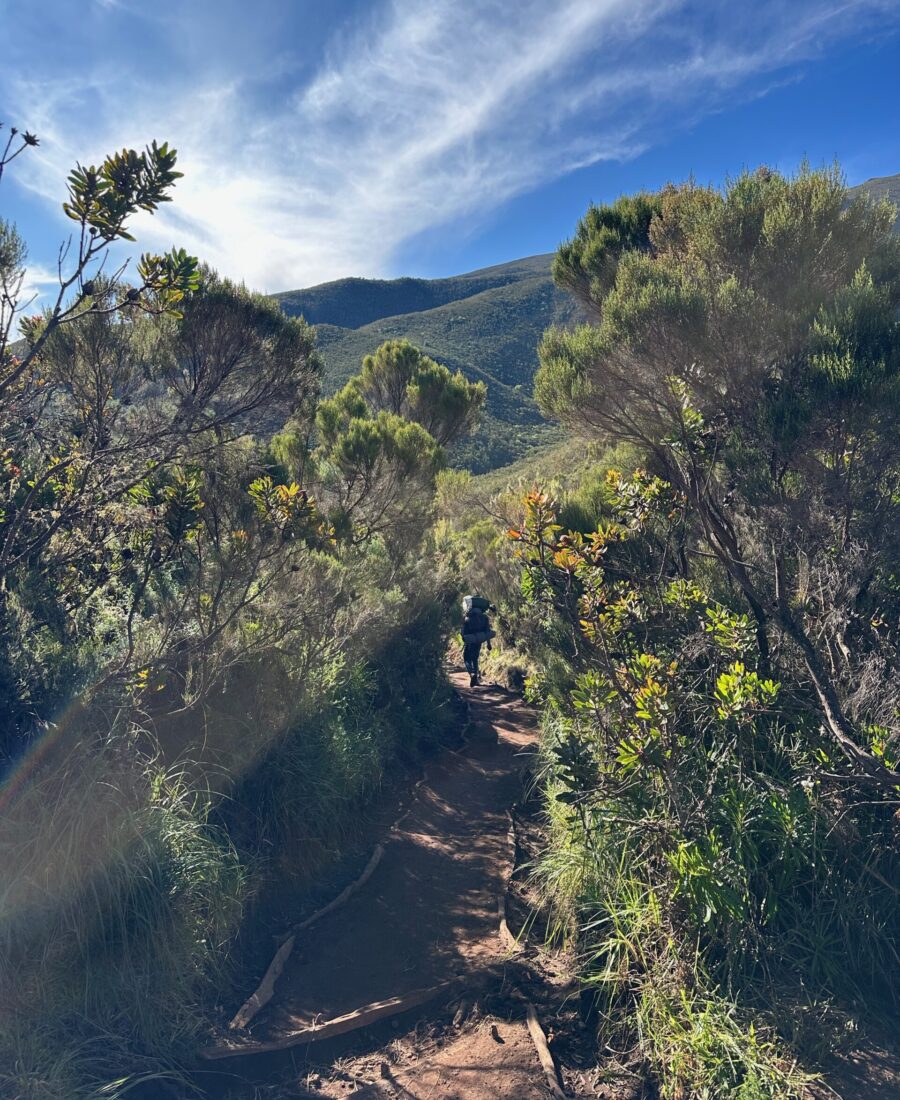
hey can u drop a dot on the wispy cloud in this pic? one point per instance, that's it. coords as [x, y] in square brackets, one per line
[39, 285]
[420, 115]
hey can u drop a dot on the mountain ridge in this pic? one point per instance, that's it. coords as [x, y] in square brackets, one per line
[354, 302]
[486, 323]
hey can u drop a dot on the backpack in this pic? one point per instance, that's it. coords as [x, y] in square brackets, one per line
[476, 627]
[474, 603]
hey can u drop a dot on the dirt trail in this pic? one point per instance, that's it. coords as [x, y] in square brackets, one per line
[430, 909]
[428, 915]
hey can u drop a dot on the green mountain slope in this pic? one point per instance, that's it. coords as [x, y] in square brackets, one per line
[352, 303]
[489, 330]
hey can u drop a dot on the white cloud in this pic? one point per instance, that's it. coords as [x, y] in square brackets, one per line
[39, 284]
[421, 116]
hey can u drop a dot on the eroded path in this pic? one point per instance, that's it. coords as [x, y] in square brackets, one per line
[427, 916]
[427, 919]
[430, 909]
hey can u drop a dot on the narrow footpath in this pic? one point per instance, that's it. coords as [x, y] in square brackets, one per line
[410, 988]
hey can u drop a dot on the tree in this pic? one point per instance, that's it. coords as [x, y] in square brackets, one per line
[117, 419]
[747, 340]
[401, 380]
[382, 439]
[100, 202]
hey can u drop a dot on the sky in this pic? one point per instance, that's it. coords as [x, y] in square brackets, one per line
[429, 137]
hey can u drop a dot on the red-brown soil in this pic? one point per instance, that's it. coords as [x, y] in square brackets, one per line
[429, 914]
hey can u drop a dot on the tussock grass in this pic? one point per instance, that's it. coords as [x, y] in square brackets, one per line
[651, 991]
[125, 880]
[648, 967]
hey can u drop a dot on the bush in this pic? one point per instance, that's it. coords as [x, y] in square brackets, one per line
[702, 857]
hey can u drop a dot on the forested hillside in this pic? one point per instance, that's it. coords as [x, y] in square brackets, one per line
[486, 324]
[354, 302]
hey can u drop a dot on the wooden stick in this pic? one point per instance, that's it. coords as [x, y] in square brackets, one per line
[347, 892]
[266, 987]
[508, 940]
[352, 1021]
[543, 1052]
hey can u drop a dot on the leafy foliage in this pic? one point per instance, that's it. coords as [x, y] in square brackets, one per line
[701, 598]
[698, 789]
[752, 350]
[399, 379]
[201, 677]
[381, 441]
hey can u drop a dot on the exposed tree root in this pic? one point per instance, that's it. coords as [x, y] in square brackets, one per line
[266, 988]
[543, 1051]
[340, 1025]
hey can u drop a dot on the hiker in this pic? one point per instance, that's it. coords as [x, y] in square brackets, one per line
[476, 631]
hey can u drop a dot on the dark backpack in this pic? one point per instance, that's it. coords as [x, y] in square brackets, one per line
[475, 622]
[476, 627]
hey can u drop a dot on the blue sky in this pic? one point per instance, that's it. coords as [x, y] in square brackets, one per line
[428, 137]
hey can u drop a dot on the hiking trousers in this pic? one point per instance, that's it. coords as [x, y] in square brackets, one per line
[471, 652]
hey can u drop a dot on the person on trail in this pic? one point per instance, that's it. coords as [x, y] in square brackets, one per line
[477, 629]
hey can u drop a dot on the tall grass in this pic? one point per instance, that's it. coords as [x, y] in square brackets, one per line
[117, 899]
[126, 878]
[720, 1006]
[650, 990]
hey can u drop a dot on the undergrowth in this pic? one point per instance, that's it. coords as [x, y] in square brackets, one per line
[127, 878]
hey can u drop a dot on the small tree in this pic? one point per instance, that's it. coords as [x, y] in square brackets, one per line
[117, 492]
[401, 380]
[382, 440]
[100, 202]
[747, 340]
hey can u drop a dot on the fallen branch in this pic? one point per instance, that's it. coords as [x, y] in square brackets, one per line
[266, 989]
[347, 892]
[543, 1052]
[340, 1025]
[263, 994]
[509, 941]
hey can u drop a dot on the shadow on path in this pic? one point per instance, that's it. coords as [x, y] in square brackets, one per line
[429, 913]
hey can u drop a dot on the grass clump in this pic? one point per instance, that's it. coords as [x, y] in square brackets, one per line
[118, 899]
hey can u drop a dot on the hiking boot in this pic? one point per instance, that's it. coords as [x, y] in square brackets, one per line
[473, 680]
